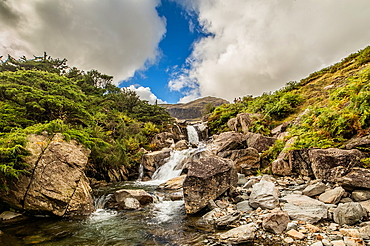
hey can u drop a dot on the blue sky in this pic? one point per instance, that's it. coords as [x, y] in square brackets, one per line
[233, 48]
[175, 47]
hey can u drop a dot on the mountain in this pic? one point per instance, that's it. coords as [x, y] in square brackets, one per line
[194, 110]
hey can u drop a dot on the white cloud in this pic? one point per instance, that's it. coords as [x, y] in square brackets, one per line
[145, 94]
[115, 37]
[258, 46]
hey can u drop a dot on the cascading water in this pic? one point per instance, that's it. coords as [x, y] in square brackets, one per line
[192, 135]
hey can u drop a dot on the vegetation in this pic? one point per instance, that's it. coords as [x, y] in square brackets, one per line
[336, 102]
[44, 94]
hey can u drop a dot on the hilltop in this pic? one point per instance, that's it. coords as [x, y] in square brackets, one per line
[194, 110]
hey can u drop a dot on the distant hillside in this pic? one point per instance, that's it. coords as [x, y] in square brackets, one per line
[193, 110]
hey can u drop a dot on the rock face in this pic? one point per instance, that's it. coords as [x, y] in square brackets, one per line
[56, 183]
[207, 179]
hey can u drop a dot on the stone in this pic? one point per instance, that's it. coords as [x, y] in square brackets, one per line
[259, 142]
[233, 124]
[55, 178]
[243, 206]
[366, 205]
[181, 145]
[241, 179]
[173, 184]
[230, 141]
[163, 140]
[300, 162]
[365, 232]
[338, 243]
[362, 142]
[281, 167]
[207, 179]
[349, 232]
[360, 195]
[289, 240]
[226, 220]
[325, 163]
[312, 228]
[319, 243]
[241, 234]
[349, 213]
[276, 221]
[332, 196]
[129, 203]
[243, 158]
[250, 183]
[141, 195]
[314, 189]
[264, 194]
[9, 215]
[304, 208]
[153, 160]
[357, 177]
[295, 234]
[350, 241]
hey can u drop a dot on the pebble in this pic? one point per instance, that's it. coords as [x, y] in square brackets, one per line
[319, 243]
[288, 240]
[295, 234]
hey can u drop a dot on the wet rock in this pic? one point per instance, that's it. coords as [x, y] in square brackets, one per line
[314, 189]
[206, 180]
[304, 208]
[276, 221]
[243, 158]
[332, 163]
[348, 213]
[142, 196]
[241, 234]
[55, 173]
[357, 177]
[173, 184]
[153, 160]
[129, 203]
[332, 196]
[9, 215]
[259, 142]
[361, 195]
[181, 145]
[264, 194]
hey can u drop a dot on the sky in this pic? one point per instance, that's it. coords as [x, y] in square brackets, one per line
[172, 51]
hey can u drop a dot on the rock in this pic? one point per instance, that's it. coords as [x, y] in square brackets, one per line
[363, 142]
[244, 121]
[226, 220]
[304, 208]
[141, 195]
[295, 234]
[55, 178]
[332, 163]
[350, 241]
[243, 206]
[348, 213]
[173, 184]
[332, 196]
[349, 232]
[357, 177]
[276, 221]
[8, 215]
[264, 194]
[181, 145]
[233, 124]
[259, 142]
[366, 205]
[241, 234]
[163, 140]
[230, 141]
[245, 159]
[300, 162]
[207, 179]
[319, 243]
[207, 221]
[129, 203]
[338, 243]
[361, 195]
[314, 189]
[250, 183]
[153, 160]
[281, 167]
[241, 179]
[312, 228]
[365, 232]
[280, 129]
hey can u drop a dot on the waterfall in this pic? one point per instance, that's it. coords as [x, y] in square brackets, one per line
[99, 202]
[192, 134]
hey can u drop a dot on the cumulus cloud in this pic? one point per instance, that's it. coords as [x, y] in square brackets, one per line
[115, 37]
[258, 46]
[145, 93]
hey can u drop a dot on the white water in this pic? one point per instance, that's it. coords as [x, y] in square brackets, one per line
[192, 135]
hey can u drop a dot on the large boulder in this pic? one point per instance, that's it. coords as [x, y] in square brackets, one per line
[276, 221]
[238, 235]
[332, 163]
[259, 142]
[359, 142]
[241, 123]
[55, 182]
[163, 140]
[207, 179]
[247, 160]
[153, 160]
[357, 177]
[349, 213]
[132, 199]
[300, 162]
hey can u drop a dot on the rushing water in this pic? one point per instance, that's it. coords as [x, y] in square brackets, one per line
[192, 135]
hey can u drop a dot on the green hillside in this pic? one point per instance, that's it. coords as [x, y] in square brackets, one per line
[336, 100]
[44, 95]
